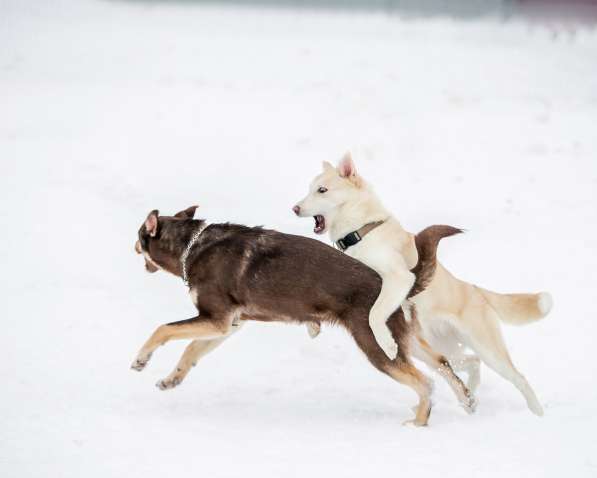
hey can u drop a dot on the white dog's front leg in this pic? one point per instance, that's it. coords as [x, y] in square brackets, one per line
[394, 289]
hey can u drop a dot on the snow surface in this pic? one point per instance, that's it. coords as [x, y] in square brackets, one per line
[111, 109]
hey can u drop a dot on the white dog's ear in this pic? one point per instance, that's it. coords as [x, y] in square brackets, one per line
[346, 166]
[327, 166]
[347, 169]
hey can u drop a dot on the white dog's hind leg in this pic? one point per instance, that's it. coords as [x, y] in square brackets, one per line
[488, 342]
[507, 370]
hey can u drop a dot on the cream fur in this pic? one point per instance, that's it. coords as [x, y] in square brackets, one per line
[453, 314]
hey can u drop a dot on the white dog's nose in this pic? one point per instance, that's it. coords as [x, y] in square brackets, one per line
[297, 210]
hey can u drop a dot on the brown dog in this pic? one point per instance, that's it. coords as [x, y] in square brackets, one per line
[236, 273]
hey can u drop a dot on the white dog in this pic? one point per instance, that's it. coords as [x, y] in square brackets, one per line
[450, 312]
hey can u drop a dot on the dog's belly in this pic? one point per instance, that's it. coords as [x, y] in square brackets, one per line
[443, 337]
[439, 309]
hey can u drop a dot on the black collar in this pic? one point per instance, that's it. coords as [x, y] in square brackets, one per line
[357, 236]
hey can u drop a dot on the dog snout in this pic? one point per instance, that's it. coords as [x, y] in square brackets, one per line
[297, 210]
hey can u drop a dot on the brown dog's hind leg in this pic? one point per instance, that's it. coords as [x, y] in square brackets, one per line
[205, 328]
[400, 369]
[471, 365]
[408, 374]
[422, 350]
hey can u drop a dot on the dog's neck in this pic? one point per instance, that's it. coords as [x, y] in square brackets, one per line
[355, 213]
[184, 257]
[173, 244]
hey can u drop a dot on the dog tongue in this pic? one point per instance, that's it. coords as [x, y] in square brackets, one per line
[319, 224]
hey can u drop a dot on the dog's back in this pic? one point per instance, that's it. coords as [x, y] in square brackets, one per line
[273, 273]
[236, 272]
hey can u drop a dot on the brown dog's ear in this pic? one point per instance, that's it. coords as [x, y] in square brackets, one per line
[346, 167]
[188, 213]
[151, 223]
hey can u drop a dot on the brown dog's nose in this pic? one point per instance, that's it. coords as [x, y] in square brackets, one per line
[296, 210]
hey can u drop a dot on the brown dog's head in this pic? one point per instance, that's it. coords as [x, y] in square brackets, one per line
[161, 236]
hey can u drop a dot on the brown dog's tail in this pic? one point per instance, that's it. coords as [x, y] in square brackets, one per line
[426, 242]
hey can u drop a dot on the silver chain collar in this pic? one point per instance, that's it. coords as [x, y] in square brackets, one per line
[185, 255]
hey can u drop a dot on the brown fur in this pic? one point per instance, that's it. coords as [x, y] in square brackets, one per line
[236, 272]
[426, 243]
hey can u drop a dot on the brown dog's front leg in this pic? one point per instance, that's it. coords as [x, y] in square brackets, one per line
[204, 328]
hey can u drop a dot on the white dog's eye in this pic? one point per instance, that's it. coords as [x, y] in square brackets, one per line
[322, 190]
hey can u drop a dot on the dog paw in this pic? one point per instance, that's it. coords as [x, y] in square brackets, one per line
[388, 345]
[414, 423]
[536, 408]
[470, 405]
[168, 383]
[314, 329]
[140, 362]
[391, 350]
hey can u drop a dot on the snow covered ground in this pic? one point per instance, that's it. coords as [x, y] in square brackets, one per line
[111, 109]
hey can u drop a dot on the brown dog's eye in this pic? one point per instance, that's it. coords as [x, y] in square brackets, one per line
[322, 190]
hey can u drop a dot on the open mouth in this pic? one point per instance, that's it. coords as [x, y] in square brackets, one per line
[149, 267]
[319, 224]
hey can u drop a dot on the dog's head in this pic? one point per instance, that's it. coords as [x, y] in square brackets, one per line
[329, 191]
[158, 237]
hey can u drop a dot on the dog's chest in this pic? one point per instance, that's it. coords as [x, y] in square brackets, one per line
[385, 248]
[381, 257]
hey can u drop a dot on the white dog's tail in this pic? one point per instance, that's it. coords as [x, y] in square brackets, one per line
[519, 309]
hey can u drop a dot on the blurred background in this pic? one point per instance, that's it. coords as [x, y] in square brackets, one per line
[481, 114]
